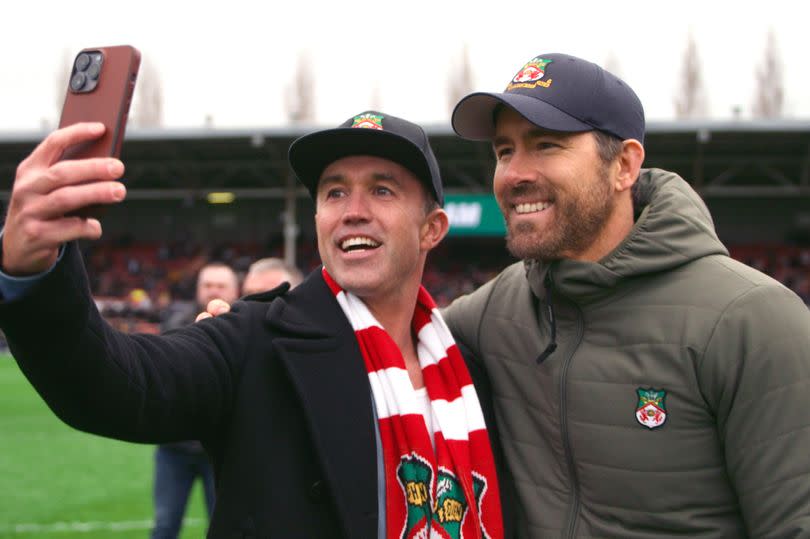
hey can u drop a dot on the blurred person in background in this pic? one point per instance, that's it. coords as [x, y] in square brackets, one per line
[267, 273]
[179, 464]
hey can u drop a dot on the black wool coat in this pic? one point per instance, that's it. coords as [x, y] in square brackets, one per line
[276, 390]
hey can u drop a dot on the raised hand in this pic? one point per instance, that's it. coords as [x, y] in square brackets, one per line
[46, 189]
[214, 308]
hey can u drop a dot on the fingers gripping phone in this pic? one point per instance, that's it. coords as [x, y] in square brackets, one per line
[100, 89]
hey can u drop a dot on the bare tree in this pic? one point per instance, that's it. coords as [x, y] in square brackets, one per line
[375, 97]
[299, 99]
[612, 64]
[460, 78]
[147, 106]
[770, 92]
[62, 79]
[690, 99]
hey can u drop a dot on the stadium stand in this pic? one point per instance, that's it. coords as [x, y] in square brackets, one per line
[133, 283]
[754, 176]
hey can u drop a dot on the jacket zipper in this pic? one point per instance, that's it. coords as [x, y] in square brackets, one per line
[569, 459]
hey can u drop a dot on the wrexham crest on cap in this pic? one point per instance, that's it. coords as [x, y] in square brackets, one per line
[531, 75]
[368, 121]
[651, 410]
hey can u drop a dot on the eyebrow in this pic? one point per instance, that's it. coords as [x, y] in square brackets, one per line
[532, 134]
[333, 178]
[376, 176]
[384, 176]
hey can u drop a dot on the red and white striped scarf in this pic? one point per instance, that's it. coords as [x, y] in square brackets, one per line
[429, 493]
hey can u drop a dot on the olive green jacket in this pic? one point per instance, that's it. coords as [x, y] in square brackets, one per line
[677, 401]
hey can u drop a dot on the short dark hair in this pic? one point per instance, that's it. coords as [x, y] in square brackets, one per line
[609, 146]
[431, 204]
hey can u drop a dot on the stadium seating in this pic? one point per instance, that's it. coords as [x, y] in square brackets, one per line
[133, 282]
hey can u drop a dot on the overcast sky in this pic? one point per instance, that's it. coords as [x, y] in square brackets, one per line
[232, 60]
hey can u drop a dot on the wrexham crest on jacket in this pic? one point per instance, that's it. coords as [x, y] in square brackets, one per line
[530, 74]
[651, 410]
[368, 121]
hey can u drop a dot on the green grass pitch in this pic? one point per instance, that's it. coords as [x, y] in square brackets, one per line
[59, 483]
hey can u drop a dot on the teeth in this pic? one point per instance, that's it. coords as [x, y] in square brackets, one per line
[530, 208]
[358, 242]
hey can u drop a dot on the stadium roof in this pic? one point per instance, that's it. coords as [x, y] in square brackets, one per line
[721, 159]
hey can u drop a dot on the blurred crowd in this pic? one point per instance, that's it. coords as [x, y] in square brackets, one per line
[137, 284]
[134, 283]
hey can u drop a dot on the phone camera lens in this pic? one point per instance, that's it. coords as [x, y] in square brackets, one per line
[93, 71]
[77, 81]
[82, 61]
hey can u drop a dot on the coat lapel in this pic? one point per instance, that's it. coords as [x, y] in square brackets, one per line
[317, 345]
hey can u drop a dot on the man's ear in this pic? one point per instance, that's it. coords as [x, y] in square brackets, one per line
[629, 164]
[434, 229]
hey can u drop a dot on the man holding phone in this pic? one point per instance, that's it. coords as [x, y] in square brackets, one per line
[339, 409]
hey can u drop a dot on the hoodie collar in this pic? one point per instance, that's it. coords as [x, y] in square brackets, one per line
[673, 227]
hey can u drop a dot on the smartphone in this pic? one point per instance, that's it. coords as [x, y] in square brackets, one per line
[100, 89]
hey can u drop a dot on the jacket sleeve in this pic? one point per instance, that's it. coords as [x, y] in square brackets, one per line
[756, 373]
[143, 388]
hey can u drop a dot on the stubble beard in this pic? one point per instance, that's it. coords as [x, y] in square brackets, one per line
[579, 219]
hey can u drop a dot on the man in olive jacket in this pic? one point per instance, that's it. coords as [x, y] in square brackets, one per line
[645, 384]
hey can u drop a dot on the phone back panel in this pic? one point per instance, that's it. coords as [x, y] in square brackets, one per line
[108, 102]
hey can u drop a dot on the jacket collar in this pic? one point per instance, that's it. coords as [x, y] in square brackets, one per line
[319, 348]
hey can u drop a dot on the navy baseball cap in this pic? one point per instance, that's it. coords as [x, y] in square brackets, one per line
[368, 133]
[557, 92]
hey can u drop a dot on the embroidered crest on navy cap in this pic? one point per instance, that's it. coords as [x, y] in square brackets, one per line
[368, 121]
[370, 132]
[530, 74]
[583, 97]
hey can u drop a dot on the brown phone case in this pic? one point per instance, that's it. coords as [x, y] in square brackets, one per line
[100, 89]
[104, 96]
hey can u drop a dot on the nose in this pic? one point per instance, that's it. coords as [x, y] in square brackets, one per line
[518, 169]
[356, 208]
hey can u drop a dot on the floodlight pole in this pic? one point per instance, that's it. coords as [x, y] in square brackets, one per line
[290, 223]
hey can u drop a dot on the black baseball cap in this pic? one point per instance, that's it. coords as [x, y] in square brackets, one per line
[557, 92]
[368, 133]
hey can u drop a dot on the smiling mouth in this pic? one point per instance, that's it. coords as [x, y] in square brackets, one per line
[531, 207]
[358, 243]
